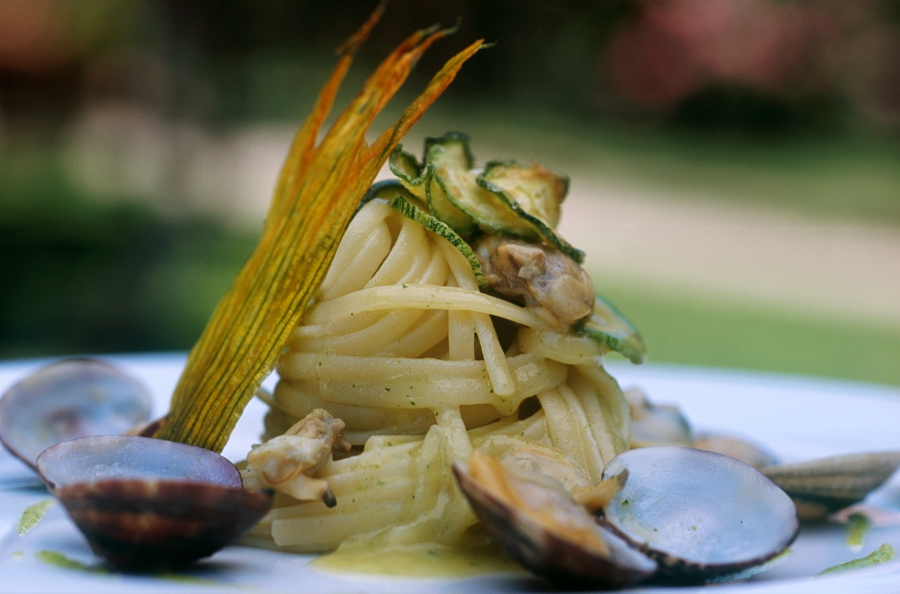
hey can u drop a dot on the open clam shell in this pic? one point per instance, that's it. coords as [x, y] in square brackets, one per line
[683, 513]
[566, 546]
[820, 487]
[147, 504]
[69, 399]
[699, 514]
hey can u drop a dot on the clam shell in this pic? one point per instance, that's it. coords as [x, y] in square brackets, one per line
[143, 525]
[735, 447]
[145, 504]
[697, 513]
[822, 486]
[684, 513]
[555, 555]
[656, 424]
[69, 399]
[111, 457]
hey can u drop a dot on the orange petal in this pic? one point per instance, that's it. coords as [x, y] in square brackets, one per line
[317, 191]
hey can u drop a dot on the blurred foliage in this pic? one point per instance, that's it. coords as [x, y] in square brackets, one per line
[763, 65]
[758, 65]
[80, 276]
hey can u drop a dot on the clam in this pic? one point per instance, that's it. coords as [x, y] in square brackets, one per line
[699, 514]
[739, 448]
[655, 424]
[541, 527]
[147, 504]
[682, 514]
[820, 487]
[69, 399]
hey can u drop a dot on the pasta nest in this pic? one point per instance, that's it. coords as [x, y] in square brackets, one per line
[423, 368]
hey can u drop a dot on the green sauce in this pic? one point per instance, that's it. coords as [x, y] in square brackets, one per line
[59, 560]
[884, 553]
[33, 514]
[857, 527]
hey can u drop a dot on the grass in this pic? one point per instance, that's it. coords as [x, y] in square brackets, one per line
[679, 329]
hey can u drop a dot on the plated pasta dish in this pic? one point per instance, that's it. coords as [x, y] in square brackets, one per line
[441, 391]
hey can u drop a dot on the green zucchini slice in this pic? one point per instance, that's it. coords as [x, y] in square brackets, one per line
[408, 209]
[445, 158]
[533, 194]
[408, 170]
[611, 329]
[536, 189]
[386, 190]
[449, 162]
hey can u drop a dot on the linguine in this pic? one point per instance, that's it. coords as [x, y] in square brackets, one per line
[424, 367]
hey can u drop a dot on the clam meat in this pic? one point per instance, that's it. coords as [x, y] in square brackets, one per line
[682, 514]
[147, 504]
[69, 399]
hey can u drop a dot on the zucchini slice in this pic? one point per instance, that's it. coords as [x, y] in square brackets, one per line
[408, 209]
[449, 162]
[453, 147]
[533, 194]
[409, 171]
[611, 329]
[386, 190]
[507, 199]
[536, 189]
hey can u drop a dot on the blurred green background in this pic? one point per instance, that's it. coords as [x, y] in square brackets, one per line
[139, 141]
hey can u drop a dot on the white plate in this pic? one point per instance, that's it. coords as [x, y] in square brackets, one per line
[796, 417]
